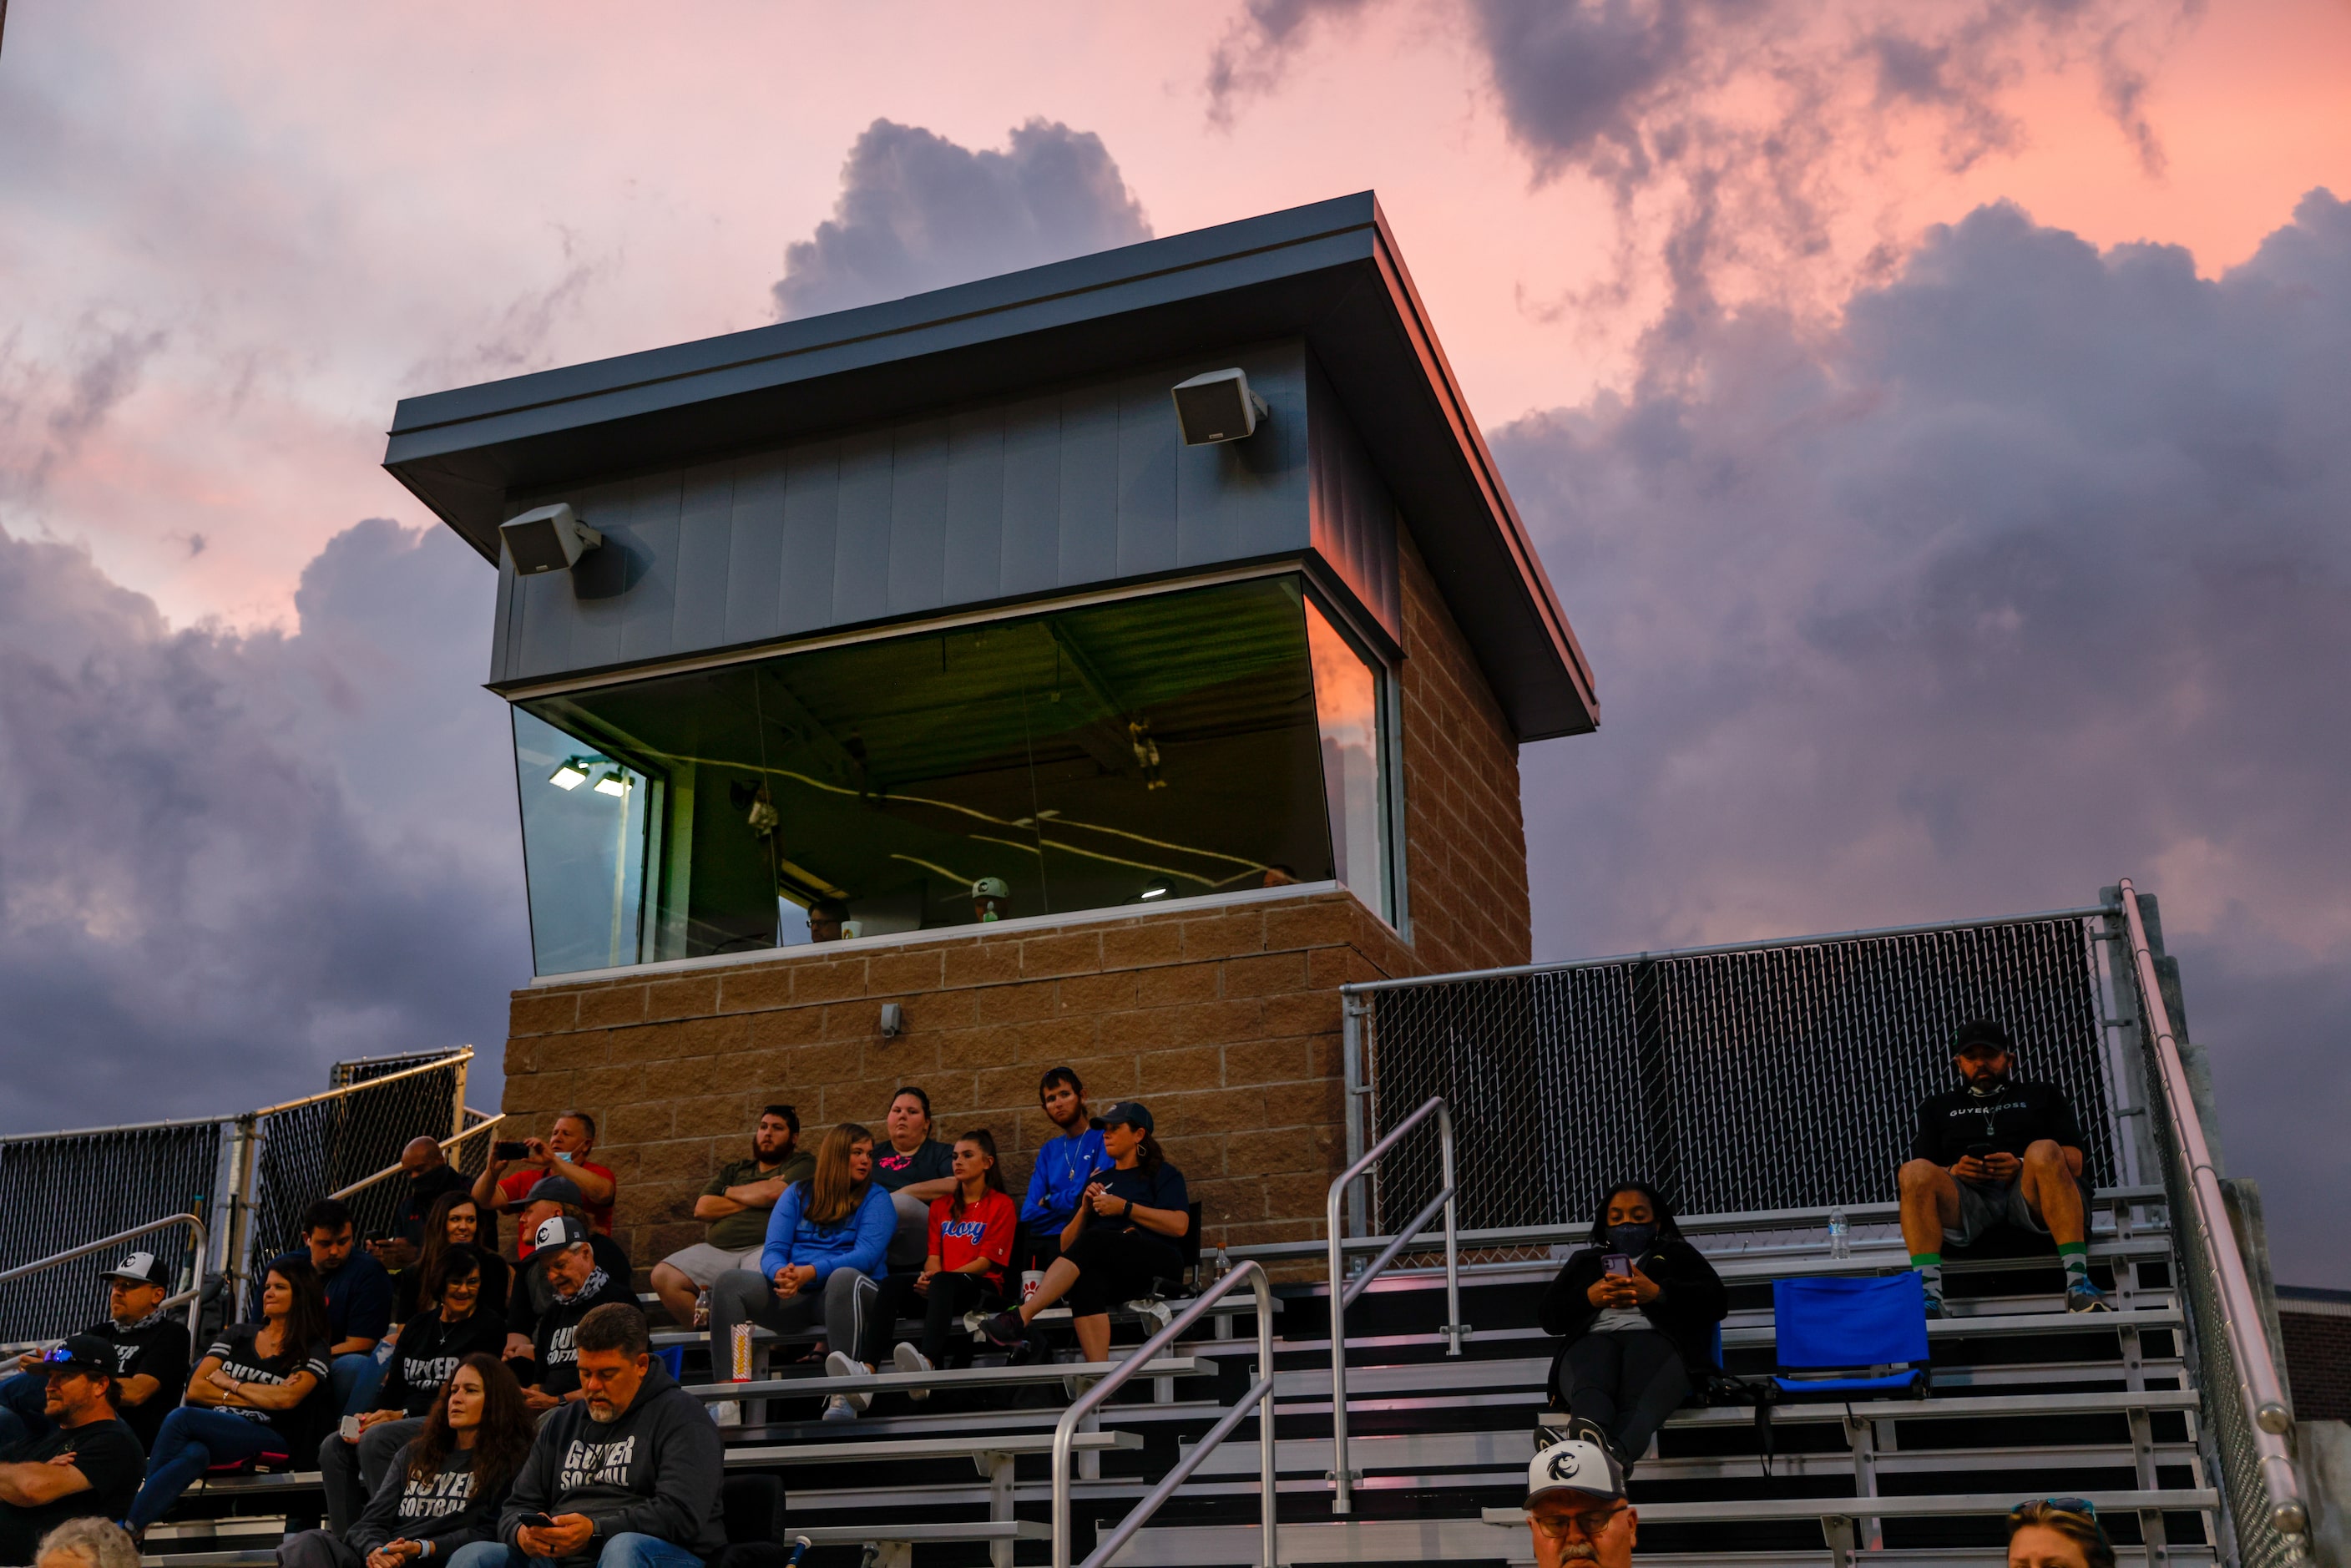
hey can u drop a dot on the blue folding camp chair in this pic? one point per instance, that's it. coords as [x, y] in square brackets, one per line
[1832, 1337]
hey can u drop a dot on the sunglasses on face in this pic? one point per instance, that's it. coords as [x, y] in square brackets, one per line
[2080, 1505]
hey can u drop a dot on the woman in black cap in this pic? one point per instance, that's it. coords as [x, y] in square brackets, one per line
[1121, 1240]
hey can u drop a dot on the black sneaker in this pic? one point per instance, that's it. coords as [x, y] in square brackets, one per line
[1005, 1331]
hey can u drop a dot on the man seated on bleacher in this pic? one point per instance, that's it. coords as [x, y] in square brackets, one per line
[627, 1477]
[562, 1152]
[1576, 1506]
[86, 1463]
[736, 1205]
[564, 1251]
[359, 1304]
[1996, 1150]
[425, 1174]
[1065, 1163]
[530, 1295]
[150, 1357]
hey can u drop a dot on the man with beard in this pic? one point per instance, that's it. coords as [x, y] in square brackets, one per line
[1996, 1150]
[736, 1205]
[627, 1477]
[150, 1357]
[1577, 1508]
[87, 1462]
[1065, 1163]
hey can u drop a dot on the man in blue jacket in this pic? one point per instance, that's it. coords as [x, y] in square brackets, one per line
[1064, 1166]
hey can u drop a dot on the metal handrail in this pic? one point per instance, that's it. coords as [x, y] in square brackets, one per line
[193, 1296]
[1343, 1294]
[2258, 1383]
[393, 1169]
[463, 1054]
[1260, 1390]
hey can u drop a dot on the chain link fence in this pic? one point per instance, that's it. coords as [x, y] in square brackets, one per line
[1783, 1075]
[247, 1178]
[64, 1190]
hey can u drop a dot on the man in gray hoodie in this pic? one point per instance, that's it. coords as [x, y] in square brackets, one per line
[628, 1476]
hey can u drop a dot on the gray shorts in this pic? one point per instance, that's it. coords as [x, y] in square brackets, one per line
[1984, 1205]
[703, 1263]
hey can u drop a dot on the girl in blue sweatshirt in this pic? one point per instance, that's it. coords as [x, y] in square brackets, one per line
[827, 1238]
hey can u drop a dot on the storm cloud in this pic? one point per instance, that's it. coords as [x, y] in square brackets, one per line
[2032, 570]
[226, 860]
[917, 212]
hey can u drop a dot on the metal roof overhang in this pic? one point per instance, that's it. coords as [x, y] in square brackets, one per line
[1329, 273]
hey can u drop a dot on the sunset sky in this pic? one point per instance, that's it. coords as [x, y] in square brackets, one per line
[1935, 420]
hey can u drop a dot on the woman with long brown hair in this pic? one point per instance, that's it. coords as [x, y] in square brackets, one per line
[258, 1392]
[828, 1247]
[971, 1247]
[455, 1220]
[449, 1485]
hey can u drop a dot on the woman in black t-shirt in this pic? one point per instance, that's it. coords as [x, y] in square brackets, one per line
[1121, 1240]
[455, 1221]
[256, 1393]
[427, 1350]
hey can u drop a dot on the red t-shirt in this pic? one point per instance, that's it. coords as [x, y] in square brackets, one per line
[515, 1186]
[985, 1230]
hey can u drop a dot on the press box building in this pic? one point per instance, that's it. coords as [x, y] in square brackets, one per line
[943, 653]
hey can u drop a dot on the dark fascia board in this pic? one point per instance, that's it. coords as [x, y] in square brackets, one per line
[1329, 273]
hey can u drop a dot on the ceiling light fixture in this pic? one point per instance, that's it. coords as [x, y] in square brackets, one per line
[1157, 890]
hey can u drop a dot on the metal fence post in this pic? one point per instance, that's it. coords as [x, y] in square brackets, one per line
[1351, 1009]
[242, 1146]
[457, 1099]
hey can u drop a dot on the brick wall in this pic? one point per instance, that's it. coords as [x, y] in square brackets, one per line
[1226, 1021]
[2317, 1362]
[1465, 841]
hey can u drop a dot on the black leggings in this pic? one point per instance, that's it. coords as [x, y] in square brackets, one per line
[1627, 1382]
[1116, 1266]
[951, 1296]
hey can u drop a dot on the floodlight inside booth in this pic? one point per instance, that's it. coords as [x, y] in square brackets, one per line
[1217, 406]
[547, 538]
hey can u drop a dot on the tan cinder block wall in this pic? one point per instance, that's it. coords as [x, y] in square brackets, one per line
[1225, 1019]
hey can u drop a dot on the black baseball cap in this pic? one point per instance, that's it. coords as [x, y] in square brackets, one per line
[558, 1190]
[1980, 1031]
[1133, 1113]
[79, 1352]
[558, 1233]
[142, 1267]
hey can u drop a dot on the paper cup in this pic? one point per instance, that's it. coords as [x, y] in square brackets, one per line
[1029, 1280]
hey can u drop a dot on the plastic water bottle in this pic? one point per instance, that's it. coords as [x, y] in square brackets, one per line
[1224, 1263]
[1839, 1234]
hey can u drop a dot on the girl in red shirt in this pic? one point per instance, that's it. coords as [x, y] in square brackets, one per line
[971, 1247]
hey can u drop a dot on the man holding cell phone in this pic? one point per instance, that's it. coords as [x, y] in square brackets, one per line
[1996, 1151]
[516, 1166]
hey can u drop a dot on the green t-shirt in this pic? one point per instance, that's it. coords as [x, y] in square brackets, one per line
[747, 1227]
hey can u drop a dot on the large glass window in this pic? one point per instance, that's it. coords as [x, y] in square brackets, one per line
[1151, 748]
[1347, 691]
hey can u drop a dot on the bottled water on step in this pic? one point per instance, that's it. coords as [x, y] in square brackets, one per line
[1839, 1234]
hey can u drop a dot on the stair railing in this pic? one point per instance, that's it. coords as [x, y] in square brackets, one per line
[1259, 1391]
[194, 1296]
[448, 1148]
[1344, 1292]
[2210, 1250]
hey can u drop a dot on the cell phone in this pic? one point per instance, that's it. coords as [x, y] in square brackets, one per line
[1618, 1264]
[1980, 1151]
[508, 1149]
[536, 1522]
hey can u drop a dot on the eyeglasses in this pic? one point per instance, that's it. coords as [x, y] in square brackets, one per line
[2080, 1505]
[1558, 1527]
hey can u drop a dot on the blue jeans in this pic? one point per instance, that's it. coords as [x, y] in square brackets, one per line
[352, 1382]
[627, 1550]
[192, 1439]
[23, 1401]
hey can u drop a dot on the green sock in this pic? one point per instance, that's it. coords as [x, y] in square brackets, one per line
[1930, 1271]
[2075, 1257]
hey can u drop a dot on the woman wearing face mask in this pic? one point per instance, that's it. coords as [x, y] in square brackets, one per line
[1637, 1309]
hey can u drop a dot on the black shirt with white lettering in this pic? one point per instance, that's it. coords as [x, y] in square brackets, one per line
[157, 1349]
[236, 1350]
[2010, 1118]
[109, 1458]
[551, 1344]
[429, 1350]
[444, 1508]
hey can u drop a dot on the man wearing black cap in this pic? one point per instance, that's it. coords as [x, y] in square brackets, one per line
[563, 1248]
[550, 1199]
[86, 1463]
[150, 1346]
[1996, 1150]
[1575, 1503]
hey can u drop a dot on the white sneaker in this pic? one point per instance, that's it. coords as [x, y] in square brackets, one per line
[837, 1409]
[840, 1365]
[906, 1358]
[726, 1413]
